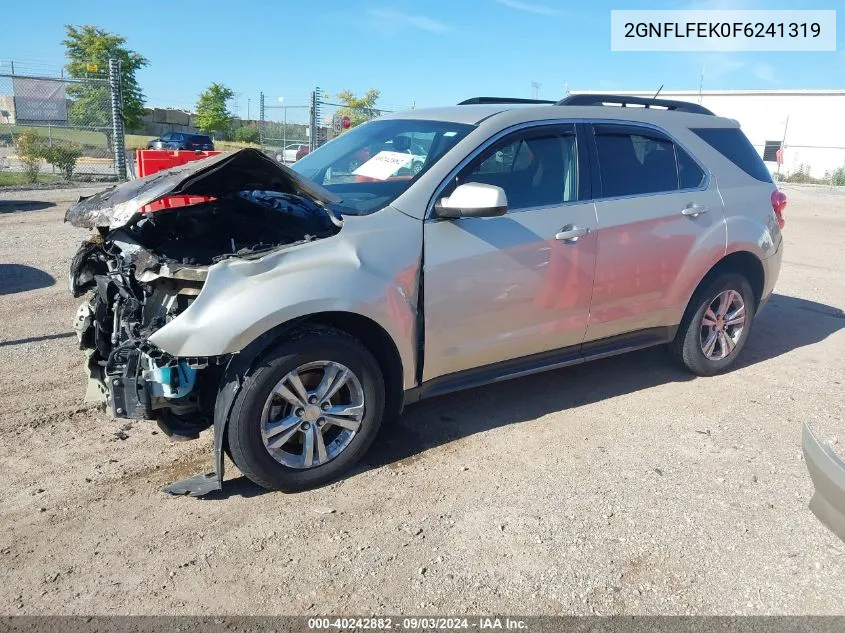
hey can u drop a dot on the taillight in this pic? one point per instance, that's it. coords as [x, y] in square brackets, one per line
[174, 202]
[778, 205]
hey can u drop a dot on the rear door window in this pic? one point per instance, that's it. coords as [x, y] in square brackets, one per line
[690, 174]
[641, 161]
[731, 143]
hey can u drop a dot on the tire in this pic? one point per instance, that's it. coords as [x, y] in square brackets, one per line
[247, 428]
[693, 335]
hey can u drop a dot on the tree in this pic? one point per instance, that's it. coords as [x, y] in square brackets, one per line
[836, 177]
[212, 112]
[247, 134]
[359, 109]
[63, 156]
[88, 50]
[30, 151]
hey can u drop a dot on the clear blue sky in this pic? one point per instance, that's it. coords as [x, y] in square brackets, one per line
[430, 53]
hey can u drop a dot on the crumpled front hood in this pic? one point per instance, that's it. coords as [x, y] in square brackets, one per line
[217, 176]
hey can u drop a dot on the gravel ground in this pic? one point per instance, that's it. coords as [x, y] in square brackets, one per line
[624, 486]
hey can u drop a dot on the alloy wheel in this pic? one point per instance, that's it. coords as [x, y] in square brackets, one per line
[312, 414]
[722, 325]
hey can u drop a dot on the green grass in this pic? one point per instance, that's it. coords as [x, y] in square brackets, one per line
[137, 141]
[92, 138]
[95, 138]
[12, 178]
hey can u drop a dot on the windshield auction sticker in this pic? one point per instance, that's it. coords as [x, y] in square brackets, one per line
[729, 30]
[384, 165]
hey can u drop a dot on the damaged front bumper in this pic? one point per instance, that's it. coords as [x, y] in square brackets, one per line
[143, 383]
[156, 240]
[136, 380]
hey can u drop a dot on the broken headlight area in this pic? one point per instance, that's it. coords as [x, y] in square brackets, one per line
[146, 273]
[132, 377]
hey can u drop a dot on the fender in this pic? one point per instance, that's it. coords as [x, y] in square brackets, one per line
[705, 253]
[742, 233]
[370, 268]
[247, 305]
[230, 385]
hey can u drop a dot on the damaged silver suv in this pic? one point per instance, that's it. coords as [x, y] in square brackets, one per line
[293, 310]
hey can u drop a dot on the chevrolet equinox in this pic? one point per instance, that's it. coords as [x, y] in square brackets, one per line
[294, 309]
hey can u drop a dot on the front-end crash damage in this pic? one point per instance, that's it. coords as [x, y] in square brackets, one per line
[154, 241]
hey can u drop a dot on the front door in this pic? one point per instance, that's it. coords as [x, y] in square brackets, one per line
[507, 287]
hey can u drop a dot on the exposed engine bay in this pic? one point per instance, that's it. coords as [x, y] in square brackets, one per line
[144, 272]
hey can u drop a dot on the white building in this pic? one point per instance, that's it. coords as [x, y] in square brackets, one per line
[814, 134]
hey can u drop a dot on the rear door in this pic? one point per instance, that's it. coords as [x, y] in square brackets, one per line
[660, 228]
[502, 288]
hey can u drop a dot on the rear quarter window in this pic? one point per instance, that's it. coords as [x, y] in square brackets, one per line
[735, 146]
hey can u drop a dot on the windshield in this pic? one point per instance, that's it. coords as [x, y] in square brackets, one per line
[372, 164]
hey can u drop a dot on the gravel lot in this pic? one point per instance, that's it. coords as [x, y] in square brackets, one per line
[623, 486]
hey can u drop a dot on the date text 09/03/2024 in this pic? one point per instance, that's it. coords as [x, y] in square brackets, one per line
[417, 623]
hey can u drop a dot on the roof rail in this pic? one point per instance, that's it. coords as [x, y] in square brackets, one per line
[599, 99]
[496, 100]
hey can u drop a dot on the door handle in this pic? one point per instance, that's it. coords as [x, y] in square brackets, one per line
[694, 210]
[571, 233]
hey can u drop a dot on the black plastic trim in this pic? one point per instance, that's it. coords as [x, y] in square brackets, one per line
[544, 361]
[625, 100]
[504, 100]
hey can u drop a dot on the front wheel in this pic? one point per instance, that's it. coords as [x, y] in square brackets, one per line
[716, 326]
[308, 412]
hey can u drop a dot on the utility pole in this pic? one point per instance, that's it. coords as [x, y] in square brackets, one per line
[118, 144]
[261, 132]
[316, 98]
[535, 90]
[247, 108]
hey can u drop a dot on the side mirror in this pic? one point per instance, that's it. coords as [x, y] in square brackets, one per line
[473, 200]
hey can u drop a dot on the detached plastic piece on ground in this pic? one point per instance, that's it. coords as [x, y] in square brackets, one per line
[827, 471]
[197, 486]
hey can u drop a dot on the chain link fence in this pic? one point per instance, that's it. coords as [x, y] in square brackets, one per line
[283, 129]
[289, 132]
[54, 127]
[333, 118]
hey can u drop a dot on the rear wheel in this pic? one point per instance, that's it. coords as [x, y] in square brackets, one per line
[308, 413]
[716, 326]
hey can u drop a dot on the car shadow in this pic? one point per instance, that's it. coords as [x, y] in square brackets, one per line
[36, 339]
[16, 278]
[236, 487]
[785, 324]
[14, 206]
